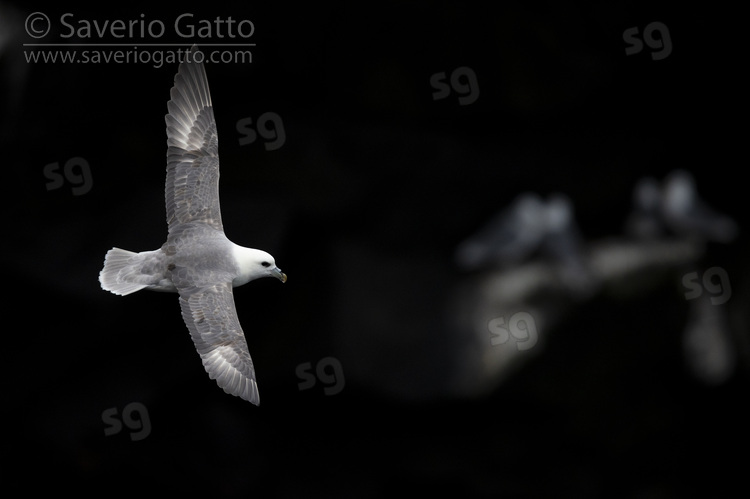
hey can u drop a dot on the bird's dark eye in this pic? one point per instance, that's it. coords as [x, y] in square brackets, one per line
[266, 264]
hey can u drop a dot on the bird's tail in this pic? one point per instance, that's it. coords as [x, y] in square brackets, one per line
[113, 276]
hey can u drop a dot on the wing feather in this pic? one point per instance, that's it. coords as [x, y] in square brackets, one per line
[211, 318]
[192, 184]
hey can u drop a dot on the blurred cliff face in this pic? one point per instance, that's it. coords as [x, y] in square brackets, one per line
[459, 328]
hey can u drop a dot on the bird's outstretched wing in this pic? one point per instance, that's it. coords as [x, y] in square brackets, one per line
[192, 195]
[211, 317]
[192, 187]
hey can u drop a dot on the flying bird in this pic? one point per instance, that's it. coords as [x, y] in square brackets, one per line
[197, 261]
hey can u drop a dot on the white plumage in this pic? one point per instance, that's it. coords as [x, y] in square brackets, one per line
[198, 261]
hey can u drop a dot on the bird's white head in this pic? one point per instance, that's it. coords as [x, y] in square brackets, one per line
[254, 264]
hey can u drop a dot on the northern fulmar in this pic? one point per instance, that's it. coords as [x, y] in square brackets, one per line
[197, 261]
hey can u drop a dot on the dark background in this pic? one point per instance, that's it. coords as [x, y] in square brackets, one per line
[363, 206]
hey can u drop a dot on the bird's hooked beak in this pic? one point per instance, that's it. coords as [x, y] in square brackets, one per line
[278, 274]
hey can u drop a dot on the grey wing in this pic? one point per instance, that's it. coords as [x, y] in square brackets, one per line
[192, 186]
[211, 317]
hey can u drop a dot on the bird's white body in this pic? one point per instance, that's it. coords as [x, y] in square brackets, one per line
[126, 272]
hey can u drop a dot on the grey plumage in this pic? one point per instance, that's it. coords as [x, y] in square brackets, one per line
[197, 261]
[192, 187]
[203, 271]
